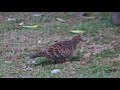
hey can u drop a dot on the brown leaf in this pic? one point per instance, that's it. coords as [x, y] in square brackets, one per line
[97, 48]
[87, 55]
[66, 63]
[82, 62]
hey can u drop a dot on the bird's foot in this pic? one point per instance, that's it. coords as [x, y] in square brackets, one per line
[67, 62]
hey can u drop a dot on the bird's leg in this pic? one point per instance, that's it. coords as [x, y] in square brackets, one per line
[62, 61]
[66, 62]
[56, 61]
[59, 61]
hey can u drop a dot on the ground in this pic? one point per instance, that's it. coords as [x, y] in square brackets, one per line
[98, 57]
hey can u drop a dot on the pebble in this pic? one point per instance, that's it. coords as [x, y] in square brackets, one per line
[55, 71]
[8, 62]
[37, 15]
[11, 19]
[33, 62]
[39, 41]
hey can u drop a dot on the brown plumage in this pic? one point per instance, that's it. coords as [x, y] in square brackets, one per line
[59, 51]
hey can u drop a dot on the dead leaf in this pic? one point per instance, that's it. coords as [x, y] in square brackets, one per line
[34, 26]
[92, 17]
[21, 24]
[11, 19]
[37, 15]
[87, 55]
[82, 62]
[77, 31]
[8, 62]
[61, 20]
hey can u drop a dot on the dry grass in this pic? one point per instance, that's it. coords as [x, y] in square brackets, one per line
[16, 44]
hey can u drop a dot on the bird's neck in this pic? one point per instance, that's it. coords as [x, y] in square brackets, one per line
[41, 53]
[74, 43]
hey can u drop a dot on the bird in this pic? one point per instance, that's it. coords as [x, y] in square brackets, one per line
[60, 51]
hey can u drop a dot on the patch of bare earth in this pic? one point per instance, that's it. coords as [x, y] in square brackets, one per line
[15, 44]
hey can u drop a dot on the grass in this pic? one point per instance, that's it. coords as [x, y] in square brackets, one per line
[16, 44]
[109, 53]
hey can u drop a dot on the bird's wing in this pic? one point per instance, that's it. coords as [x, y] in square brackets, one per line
[61, 49]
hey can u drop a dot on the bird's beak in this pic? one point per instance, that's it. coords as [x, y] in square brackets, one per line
[83, 40]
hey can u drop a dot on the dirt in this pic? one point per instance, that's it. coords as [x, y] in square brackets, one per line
[15, 44]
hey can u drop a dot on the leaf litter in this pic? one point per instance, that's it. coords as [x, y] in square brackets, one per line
[89, 49]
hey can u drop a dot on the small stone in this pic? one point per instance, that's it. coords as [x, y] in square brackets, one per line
[55, 71]
[37, 15]
[58, 27]
[83, 63]
[39, 41]
[33, 62]
[23, 66]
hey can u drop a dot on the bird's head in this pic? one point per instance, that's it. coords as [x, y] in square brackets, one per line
[78, 39]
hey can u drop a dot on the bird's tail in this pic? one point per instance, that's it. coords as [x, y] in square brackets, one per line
[39, 54]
